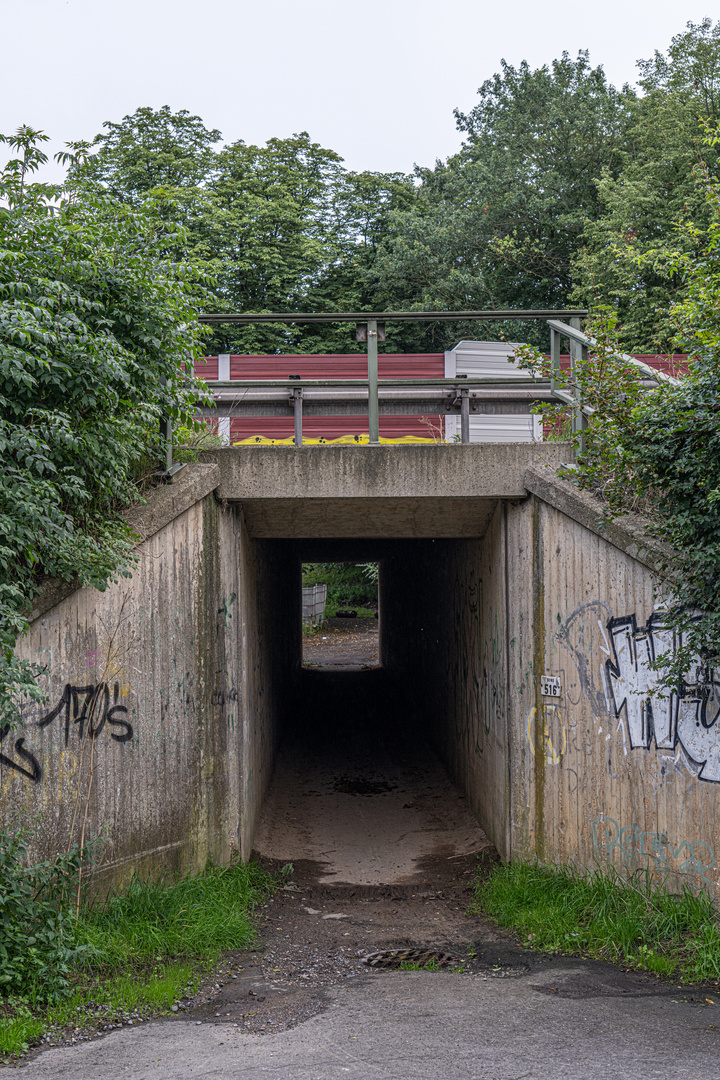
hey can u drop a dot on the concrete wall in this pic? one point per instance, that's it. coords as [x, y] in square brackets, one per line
[612, 772]
[271, 653]
[154, 764]
[173, 762]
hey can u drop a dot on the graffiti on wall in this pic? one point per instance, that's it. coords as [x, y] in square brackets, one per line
[628, 844]
[613, 660]
[687, 716]
[88, 711]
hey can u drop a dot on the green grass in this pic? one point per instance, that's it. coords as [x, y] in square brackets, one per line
[18, 1031]
[149, 945]
[193, 916]
[430, 965]
[633, 921]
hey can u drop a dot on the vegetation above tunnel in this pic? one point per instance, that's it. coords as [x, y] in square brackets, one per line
[97, 319]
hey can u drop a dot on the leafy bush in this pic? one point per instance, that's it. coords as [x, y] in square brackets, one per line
[96, 323]
[38, 946]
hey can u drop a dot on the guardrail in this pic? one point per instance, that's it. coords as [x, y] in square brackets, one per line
[272, 397]
[322, 397]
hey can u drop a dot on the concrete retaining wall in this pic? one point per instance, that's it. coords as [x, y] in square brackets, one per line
[198, 660]
[609, 773]
[154, 763]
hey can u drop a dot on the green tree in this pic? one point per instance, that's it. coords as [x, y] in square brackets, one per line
[497, 225]
[95, 324]
[658, 450]
[287, 228]
[655, 190]
[152, 150]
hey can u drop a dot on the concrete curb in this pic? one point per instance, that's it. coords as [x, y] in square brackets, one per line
[168, 501]
[628, 532]
[164, 504]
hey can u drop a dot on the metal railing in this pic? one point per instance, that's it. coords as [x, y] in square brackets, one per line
[580, 346]
[370, 327]
[373, 395]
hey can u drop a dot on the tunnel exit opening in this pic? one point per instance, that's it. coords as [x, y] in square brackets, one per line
[340, 615]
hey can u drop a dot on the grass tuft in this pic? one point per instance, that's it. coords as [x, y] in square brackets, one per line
[143, 949]
[18, 1031]
[632, 920]
[191, 916]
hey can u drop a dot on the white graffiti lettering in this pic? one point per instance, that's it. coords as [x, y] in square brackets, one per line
[688, 715]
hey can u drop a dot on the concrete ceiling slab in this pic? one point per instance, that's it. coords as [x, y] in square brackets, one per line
[382, 518]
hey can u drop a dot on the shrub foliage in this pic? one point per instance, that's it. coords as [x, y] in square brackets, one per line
[96, 322]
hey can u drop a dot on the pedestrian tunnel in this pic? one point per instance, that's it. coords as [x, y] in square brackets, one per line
[516, 634]
[371, 772]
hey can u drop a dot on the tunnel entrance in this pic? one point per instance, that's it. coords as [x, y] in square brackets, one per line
[381, 770]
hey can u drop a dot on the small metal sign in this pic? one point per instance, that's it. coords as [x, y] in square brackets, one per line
[550, 686]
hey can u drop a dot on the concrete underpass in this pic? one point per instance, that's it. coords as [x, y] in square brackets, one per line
[377, 773]
[516, 628]
[360, 786]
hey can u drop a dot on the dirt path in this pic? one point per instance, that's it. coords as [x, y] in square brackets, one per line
[344, 645]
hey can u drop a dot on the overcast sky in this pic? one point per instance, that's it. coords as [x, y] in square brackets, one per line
[376, 80]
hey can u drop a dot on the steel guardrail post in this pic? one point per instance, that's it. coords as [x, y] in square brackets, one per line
[373, 404]
[298, 408]
[464, 416]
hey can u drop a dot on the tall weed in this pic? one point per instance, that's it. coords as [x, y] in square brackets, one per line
[38, 945]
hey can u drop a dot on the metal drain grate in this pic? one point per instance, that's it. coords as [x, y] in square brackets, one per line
[395, 958]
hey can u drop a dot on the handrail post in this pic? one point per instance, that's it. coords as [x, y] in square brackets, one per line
[555, 373]
[578, 353]
[464, 416]
[373, 405]
[298, 407]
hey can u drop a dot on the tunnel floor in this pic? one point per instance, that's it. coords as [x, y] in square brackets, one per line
[343, 644]
[365, 817]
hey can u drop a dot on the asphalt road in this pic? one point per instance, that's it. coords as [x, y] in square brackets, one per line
[551, 1024]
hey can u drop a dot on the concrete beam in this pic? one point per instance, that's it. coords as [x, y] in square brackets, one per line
[389, 519]
[346, 472]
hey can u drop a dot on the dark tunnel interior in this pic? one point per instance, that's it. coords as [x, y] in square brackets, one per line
[408, 721]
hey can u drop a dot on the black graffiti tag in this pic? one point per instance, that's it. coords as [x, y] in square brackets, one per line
[34, 772]
[79, 706]
[85, 702]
